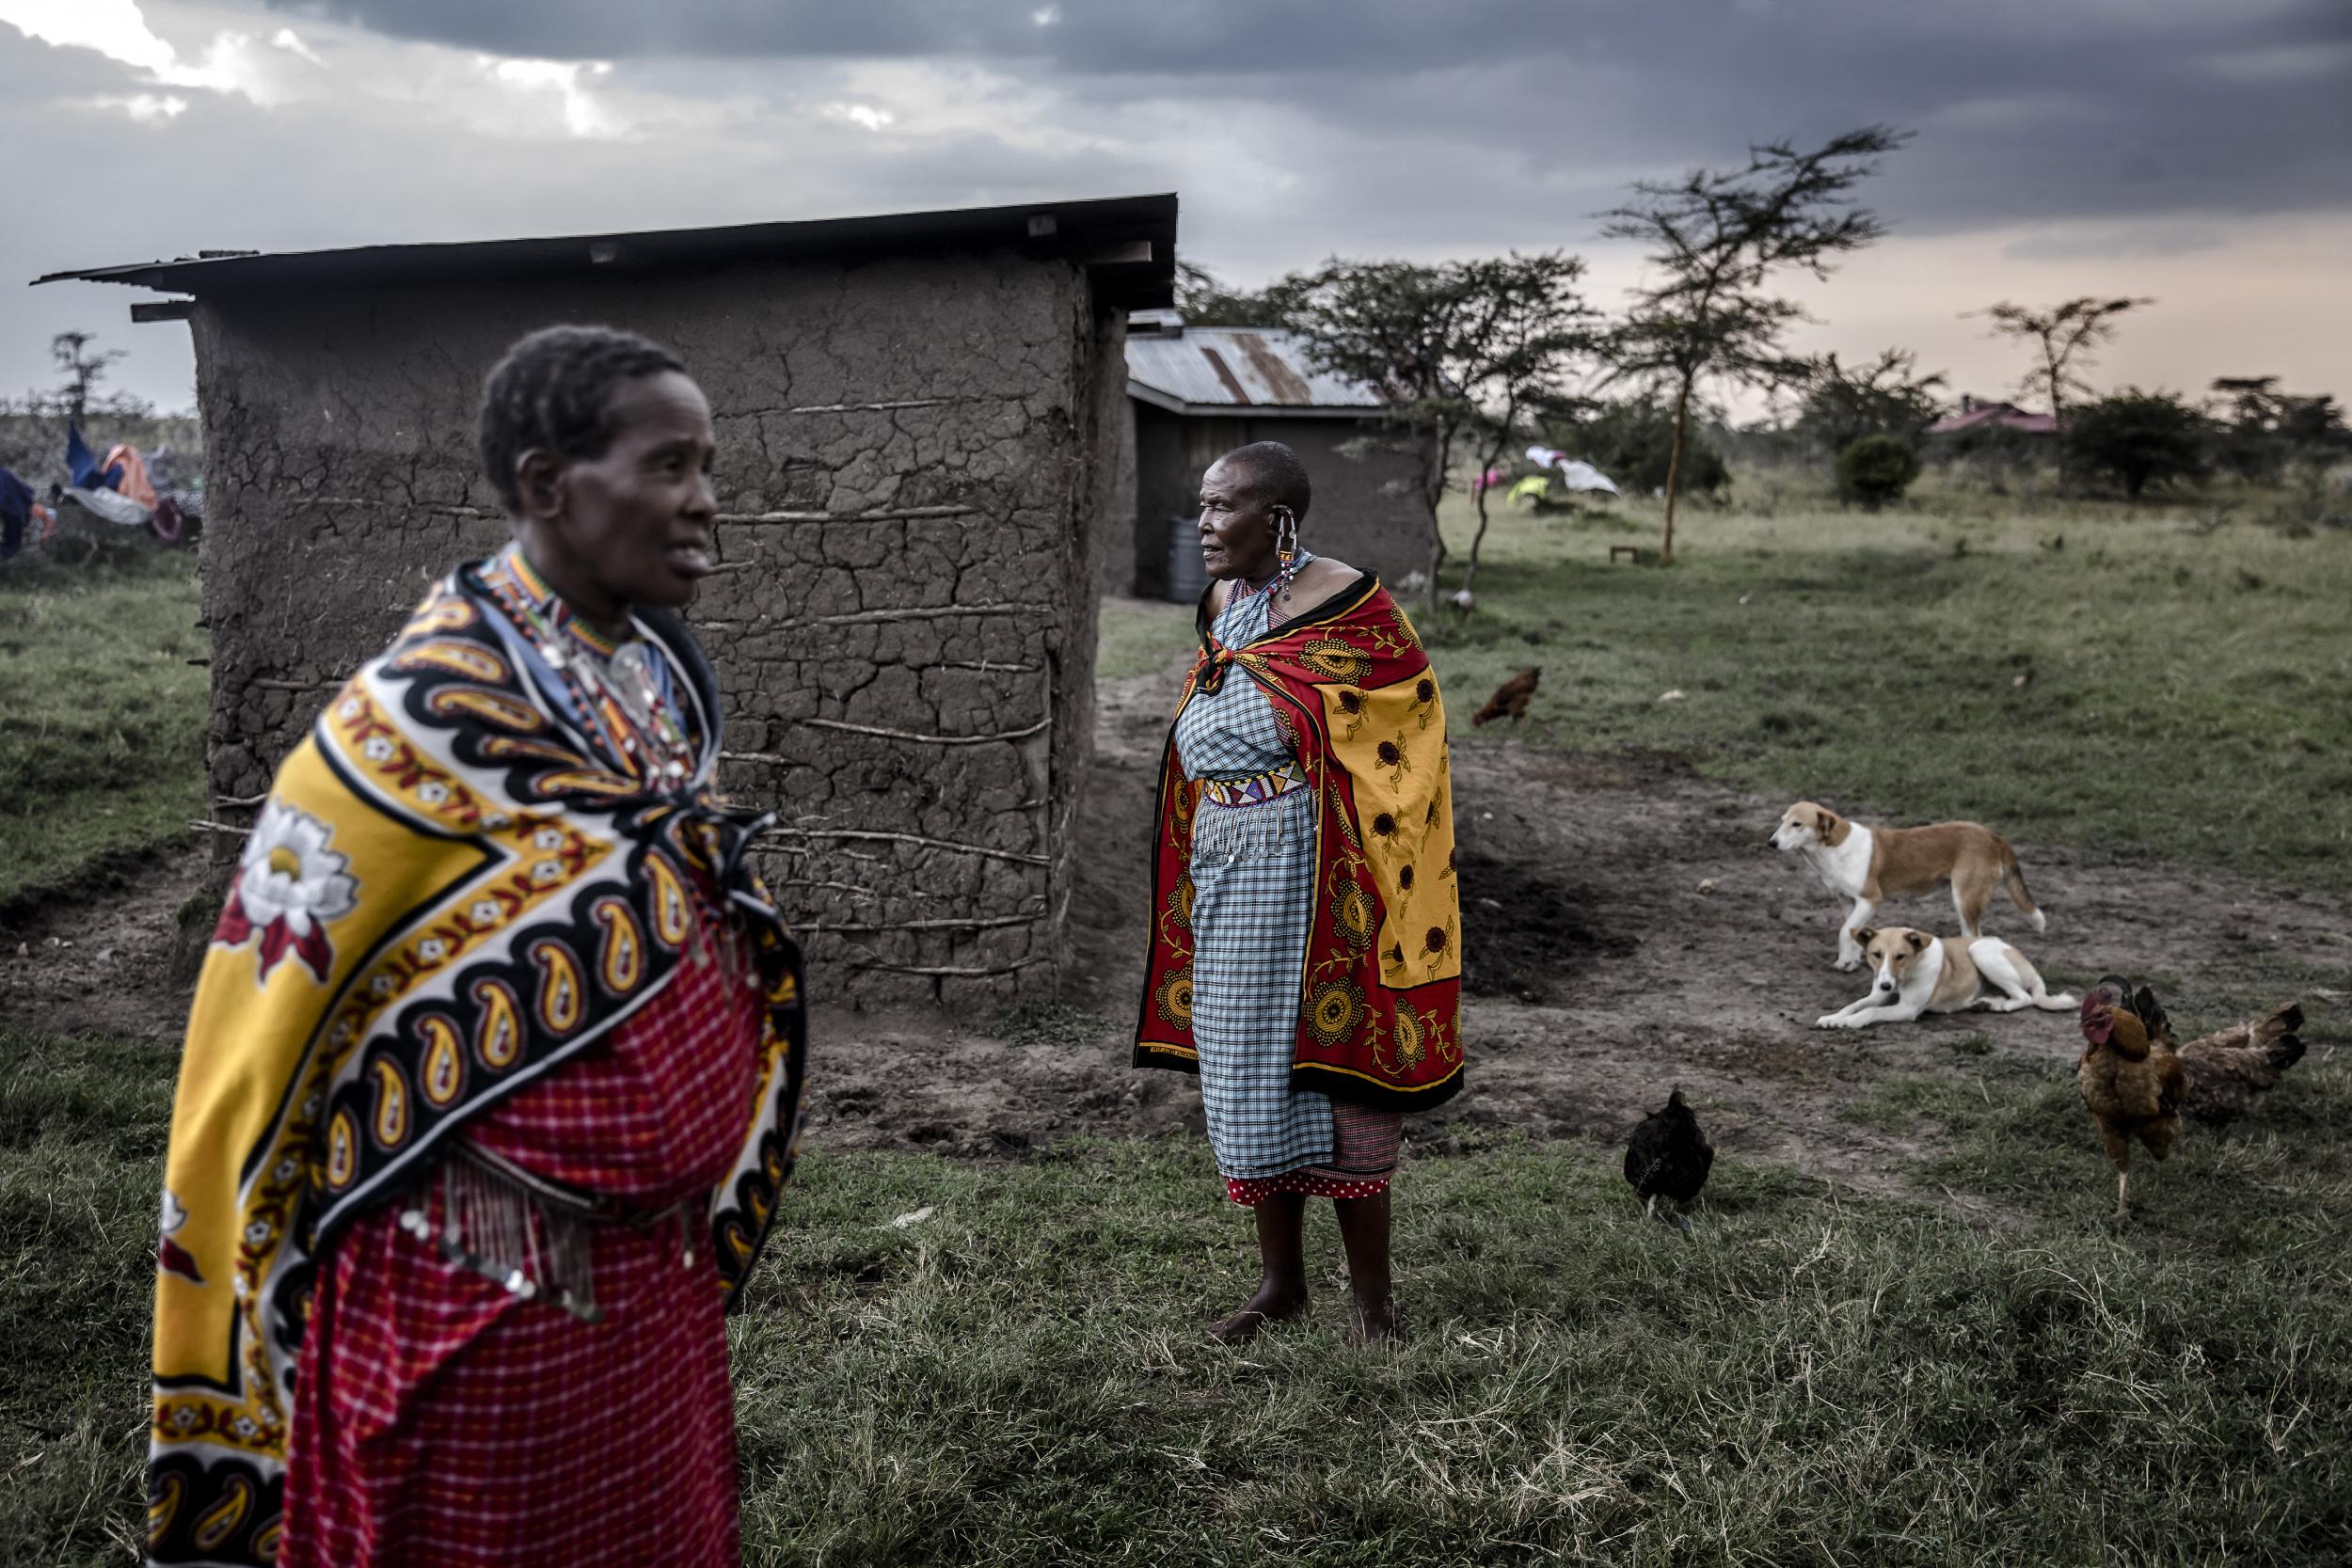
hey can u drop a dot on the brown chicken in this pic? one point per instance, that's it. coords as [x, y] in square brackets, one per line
[2231, 1069]
[2138, 1083]
[2132, 1084]
[1511, 698]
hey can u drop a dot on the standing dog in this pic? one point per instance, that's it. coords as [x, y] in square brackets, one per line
[1867, 864]
[1919, 973]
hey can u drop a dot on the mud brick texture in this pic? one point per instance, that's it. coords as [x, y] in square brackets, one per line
[917, 460]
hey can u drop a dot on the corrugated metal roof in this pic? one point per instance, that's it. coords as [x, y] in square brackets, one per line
[1127, 242]
[2008, 415]
[1265, 370]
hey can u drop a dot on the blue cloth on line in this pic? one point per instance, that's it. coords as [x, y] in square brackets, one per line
[82, 463]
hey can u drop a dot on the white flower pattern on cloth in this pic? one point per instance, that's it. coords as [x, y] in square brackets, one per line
[290, 886]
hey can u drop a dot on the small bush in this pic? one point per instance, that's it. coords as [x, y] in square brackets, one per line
[1876, 469]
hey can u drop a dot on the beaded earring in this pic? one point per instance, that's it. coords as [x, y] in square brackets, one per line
[1285, 553]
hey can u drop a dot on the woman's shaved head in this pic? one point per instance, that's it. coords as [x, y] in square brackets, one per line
[1274, 474]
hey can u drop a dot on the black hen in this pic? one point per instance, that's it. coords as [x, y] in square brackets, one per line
[1668, 1156]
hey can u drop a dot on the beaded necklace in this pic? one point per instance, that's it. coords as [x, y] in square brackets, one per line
[1276, 589]
[610, 685]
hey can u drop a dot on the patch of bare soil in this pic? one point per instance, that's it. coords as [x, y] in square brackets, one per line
[1628, 932]
[1526, 933]
[101, 963]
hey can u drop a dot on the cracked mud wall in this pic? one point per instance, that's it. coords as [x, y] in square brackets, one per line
[915, 460]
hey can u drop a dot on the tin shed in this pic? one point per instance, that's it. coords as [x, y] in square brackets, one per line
[1197, 392]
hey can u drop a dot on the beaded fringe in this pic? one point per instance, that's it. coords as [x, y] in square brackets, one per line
[529, 1234]
[1229, 833]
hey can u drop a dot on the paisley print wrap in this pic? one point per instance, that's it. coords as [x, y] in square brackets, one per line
[449, 895]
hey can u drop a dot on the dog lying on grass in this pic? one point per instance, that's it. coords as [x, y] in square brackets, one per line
[1913, 973]
[1867, 864]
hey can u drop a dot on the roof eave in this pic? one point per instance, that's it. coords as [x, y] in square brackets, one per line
[1126, 243]
[1158, 399]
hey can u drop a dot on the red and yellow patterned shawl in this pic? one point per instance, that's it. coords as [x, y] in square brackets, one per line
[1380, 1015]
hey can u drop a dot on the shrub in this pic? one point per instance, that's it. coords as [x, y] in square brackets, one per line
[1876, 469]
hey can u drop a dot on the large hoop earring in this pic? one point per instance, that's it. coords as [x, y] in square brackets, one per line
[1286, 553]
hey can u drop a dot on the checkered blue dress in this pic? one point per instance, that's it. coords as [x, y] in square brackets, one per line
[1253, 869]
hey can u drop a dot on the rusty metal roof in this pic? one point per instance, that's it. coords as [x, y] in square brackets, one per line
[1127, 243]
[1201, 370]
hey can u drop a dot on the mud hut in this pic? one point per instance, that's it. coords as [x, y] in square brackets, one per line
[1194, 393]
[918, 417]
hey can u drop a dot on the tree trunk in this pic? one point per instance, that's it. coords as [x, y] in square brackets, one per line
[1434, 458]
[1478, 540]
[1478, 489]
[1674, 471]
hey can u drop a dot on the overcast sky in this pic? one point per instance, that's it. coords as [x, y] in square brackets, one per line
[2196, 150]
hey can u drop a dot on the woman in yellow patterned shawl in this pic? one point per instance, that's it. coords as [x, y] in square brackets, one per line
[1305, 954]
[494, 1071]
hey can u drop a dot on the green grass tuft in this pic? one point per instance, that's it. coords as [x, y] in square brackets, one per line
[1047, 1024]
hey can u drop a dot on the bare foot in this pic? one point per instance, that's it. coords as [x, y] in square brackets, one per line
[1379, 1322]
[1271, 1304]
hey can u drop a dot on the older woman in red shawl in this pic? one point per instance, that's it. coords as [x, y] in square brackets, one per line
[1305, 954]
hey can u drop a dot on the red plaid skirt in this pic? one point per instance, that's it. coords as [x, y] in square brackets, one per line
[442, 1422]
[1363, 1159]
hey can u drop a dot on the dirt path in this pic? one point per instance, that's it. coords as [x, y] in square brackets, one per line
[1601, 973]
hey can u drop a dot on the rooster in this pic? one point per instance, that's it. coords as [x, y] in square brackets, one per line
[1511, 698]
[2132, 1083]
[1668, 1156]
[2138, 1083]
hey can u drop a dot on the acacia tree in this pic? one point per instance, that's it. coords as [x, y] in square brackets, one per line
[1455, 347]
[2063, 337]
[1203, 299]
[83, 369]
[1887, 397]
[1544, 329]
[1716, 237]
[2262, 430]
[2139, 438]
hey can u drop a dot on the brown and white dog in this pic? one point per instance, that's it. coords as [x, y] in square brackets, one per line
[1865, 864]
[1913, 973]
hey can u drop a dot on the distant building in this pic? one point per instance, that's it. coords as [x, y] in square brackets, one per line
[1977, 415]
[1194, 393]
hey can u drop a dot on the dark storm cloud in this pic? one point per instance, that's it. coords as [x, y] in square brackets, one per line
[2026, 110]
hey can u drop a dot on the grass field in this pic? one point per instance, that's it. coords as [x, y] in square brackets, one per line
[101, 719]
[2125, 679]
[2114, 678]
[1804, 1378]
[1020, 1380]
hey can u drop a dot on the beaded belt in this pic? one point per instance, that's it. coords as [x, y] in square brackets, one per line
[1249, 791]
